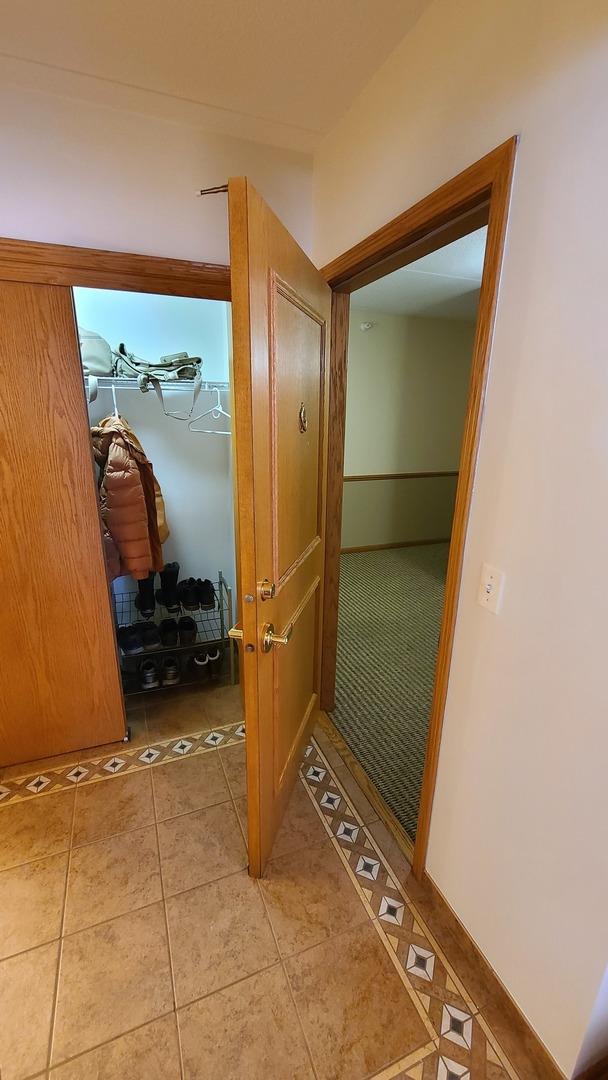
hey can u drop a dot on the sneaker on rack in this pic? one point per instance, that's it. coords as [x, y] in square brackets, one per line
[148, 675]
[187, 594]
[130, 640]
[201, 660]
[215, 658]
[144, 601]
[187, 630]
[170, 675]
[206, 594]
[169, 633]
[167, 594]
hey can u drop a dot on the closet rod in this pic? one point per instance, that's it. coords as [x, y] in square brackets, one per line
[176, 384]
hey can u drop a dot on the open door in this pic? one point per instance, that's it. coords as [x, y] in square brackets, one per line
[280, 312]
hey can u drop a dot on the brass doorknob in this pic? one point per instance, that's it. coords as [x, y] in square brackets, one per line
[236, 633]
[269, 638]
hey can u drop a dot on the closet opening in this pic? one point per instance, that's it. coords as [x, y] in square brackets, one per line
[157, 379]
[411, 342]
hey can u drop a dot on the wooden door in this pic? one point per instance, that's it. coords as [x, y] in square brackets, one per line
[280, 313]
[59, 678]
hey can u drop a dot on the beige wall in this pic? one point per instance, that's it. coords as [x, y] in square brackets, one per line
[121, 174]
[406, 398]
[518, 840]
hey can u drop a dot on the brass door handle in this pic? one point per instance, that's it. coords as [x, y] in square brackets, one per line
[236, 633]
[269, 638]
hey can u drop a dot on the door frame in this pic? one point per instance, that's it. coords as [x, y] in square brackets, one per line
[479, 194]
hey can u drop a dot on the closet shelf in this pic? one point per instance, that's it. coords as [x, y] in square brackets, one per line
[177, 384]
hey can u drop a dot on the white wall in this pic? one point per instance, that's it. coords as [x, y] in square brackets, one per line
[193, 470]
[87, 173]
[518, 840]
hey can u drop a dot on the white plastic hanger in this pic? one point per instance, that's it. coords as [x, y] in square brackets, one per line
[116, 413]
[215, 412]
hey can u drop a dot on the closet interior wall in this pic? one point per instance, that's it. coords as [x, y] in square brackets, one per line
[194, 470]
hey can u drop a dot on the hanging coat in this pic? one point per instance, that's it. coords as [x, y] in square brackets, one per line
[131, 501]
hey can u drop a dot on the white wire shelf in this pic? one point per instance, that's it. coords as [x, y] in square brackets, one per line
[173, 384]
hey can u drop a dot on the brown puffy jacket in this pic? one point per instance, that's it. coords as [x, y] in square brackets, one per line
[131, 501]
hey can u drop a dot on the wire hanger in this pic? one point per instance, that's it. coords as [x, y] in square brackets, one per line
[215, 412]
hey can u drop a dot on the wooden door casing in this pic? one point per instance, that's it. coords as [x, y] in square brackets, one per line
[59, 681]
[281, 312]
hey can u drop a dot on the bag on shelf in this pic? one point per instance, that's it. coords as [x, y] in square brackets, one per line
[97, 358]
[168, 369]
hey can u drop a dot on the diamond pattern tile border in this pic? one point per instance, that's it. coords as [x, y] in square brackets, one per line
[37, 785]
[461, 1044]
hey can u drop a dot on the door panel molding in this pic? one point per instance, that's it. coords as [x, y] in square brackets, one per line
[454, 209]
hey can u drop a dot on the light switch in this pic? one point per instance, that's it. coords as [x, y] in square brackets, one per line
[491, 588]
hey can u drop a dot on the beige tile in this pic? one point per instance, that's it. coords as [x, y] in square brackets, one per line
[360, 801]
[188, 784]
[301, 826]
[391, 850]
[150, 1053]
[35, 827]
[328, 748]
[234, 761]
[218, 933]
[42, 765]
[355, 1010]
[31, 903]
[200, 847]
[27, 986]
[113, 806]
[222, 705]
[113, 977]
[139, 737]
[111, 877]
[179, 712]
[247, 1030]
[309, 897]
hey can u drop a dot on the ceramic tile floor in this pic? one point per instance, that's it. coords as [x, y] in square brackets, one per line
[134, 944]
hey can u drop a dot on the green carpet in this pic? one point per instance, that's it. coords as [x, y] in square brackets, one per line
[388, 626]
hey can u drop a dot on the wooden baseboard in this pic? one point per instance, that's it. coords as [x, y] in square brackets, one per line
[599, 1071]
[397, 544]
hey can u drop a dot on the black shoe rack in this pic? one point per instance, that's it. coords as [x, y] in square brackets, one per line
[212, 626]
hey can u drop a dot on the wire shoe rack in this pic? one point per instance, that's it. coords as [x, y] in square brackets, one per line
[211, 629]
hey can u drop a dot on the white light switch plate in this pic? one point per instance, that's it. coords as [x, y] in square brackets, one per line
[491, 588]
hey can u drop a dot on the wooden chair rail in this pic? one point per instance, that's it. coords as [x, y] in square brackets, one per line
[401, 476]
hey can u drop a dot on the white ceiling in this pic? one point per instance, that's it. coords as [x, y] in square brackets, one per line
[442, 285]
[298, 65]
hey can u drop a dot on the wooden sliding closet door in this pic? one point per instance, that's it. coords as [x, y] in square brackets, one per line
[59, 678]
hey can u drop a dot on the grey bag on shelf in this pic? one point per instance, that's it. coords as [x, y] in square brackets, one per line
[169, 369]
[97, 358]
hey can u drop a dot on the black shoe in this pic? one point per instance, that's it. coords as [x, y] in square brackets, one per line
[130, 640]
[187, 630]
[187, 594]
[168, 632]
[205, 593]
[148, 675]
[215, 658]
[170, 672]
[144, 601]
[149, 635]
[167, 594]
